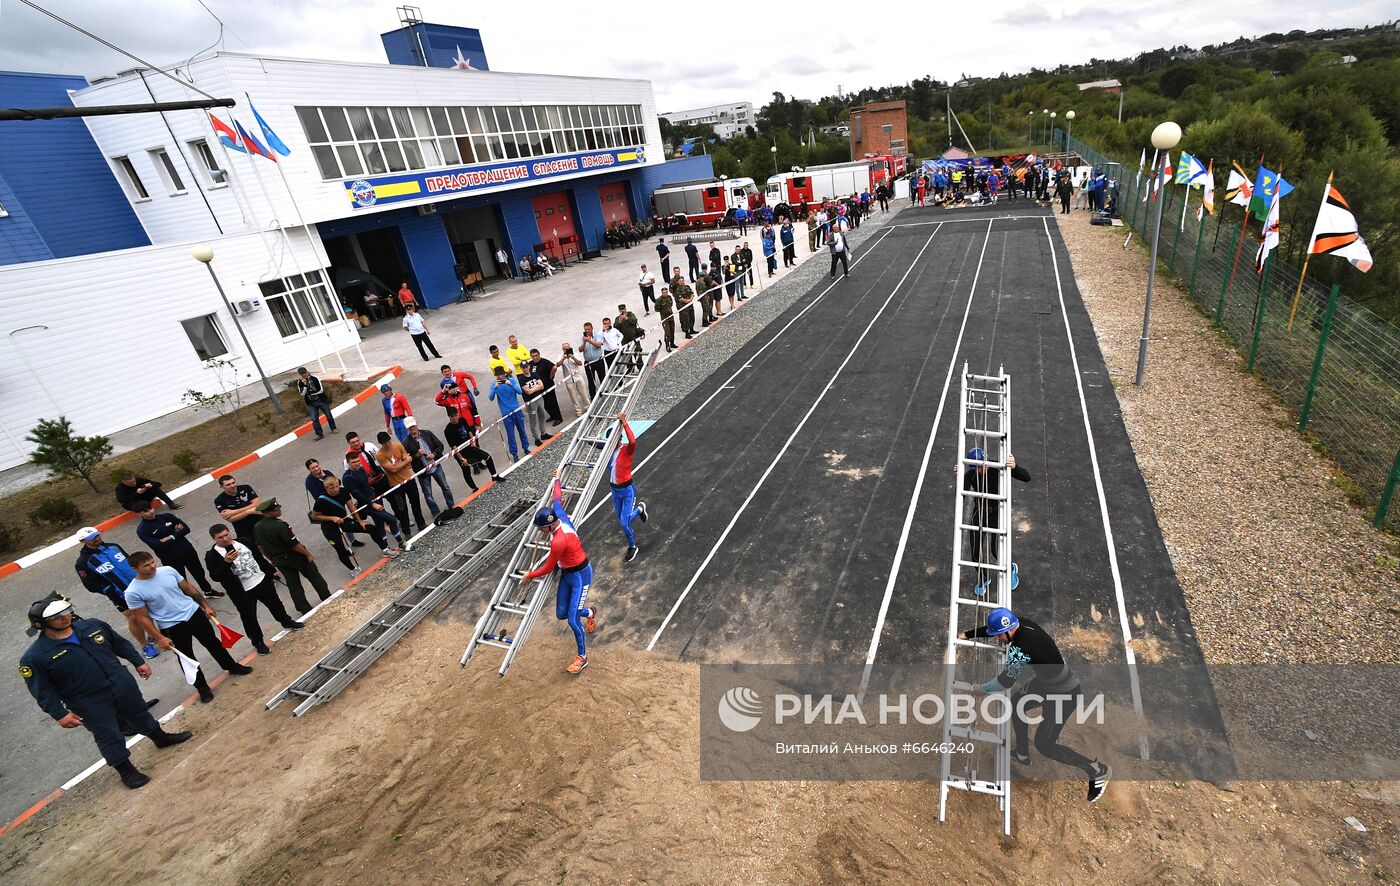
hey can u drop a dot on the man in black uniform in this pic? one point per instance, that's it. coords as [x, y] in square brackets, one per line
[664, 252]
[458, 436]
[692, 258]
[75, 673]
[983, 541]
[1051, 681]
[238, 504]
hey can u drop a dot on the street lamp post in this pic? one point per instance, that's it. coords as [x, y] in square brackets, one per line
[204, 254]
[774, 151]
[1030, 127]
[1045, 126]
[1164, 138]
[1069, 115]
[1052, 125]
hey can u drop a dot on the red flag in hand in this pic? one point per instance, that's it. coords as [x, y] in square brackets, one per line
[228, 636]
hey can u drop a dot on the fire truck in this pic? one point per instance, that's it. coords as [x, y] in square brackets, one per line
[888, 167]
[705, 200]
[809, 187]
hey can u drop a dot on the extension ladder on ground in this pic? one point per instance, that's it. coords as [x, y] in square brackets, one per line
[506, 623]
[372, 639]
[986, 516]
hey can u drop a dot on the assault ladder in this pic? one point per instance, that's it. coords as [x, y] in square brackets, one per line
[372, 639]
[506, 623]
[985, 424]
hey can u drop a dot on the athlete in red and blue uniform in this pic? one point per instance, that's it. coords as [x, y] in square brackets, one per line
[576, 573]
[624, 493]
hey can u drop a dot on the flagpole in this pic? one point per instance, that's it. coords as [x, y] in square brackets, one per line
[1307, 258]
[1244, 223]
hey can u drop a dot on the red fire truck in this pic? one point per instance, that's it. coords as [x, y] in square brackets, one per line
[888, 167]
[810, 186]
[705, 200]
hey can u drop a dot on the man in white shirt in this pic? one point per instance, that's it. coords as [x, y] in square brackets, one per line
[173, 611]
[247, 579]
[612, 341]
[840, 251]
[647, 283]
[413, 322]
[568, 374]
[503, 264]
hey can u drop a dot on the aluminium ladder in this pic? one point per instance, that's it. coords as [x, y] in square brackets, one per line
[372, 639]
[985, 516]
[506, 623]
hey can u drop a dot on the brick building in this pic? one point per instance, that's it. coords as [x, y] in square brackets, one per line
[879, 128]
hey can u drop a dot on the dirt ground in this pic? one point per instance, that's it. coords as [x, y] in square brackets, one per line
[215, 442]
[423, 771]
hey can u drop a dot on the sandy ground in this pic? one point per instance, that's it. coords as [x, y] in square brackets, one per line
[427, 772]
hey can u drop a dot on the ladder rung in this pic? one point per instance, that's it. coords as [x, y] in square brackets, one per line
[990, 567]
[352, 644]
[976, 785]
[496, 643]
[514, 608]
[973, 432]
[302, 692]
[571, 490]
[975, 734]
[987, 529]
[978, 644]
[985, 604]
[997, 497]
[983, 463]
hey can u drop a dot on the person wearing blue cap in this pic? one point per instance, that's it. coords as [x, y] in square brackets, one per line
[984, 515]
[575, 573]
[1051, 680]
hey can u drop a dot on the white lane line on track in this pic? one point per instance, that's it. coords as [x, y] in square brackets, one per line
[865, 253]
[1103, 513]
[791, 437]
[923, 472]
[964, 221]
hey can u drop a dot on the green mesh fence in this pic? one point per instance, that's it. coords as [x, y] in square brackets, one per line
[1355, 405]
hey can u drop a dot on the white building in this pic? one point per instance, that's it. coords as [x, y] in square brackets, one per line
[727, 120]
[390, 173]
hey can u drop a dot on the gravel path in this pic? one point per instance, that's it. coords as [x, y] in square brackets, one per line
[1275, 563]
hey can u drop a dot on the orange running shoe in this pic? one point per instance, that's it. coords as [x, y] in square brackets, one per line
[591, 622]
[579, 663]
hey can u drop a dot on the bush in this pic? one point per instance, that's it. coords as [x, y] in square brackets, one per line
[9, 537]
[56, 513]
[186, 460]
[65, 453]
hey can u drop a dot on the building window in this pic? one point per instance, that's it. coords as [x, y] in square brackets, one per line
[205, 160]
[348, 142]
[205, 336]
[300, 303]
[160, 159]
[134, 188]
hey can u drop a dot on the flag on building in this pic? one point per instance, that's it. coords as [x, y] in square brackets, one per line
[1267, 184]
[254, 146]
[1207, 195]
[227, 137]
[272, 140]
[1269, 241]
[1238, 189]
[1335, 232]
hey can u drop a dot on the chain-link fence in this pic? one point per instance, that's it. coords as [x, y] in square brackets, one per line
[1333, 361]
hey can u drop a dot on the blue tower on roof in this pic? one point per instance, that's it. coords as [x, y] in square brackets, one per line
[427, 45]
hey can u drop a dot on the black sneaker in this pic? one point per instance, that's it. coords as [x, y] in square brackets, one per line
[263, 649]
[165, 739]
[214, 595]
[239, 670]
[1098, 783]
[293, 625]
[206, 696]
[134, 778]
[1021, 757]
[631, 554]
[642, 510]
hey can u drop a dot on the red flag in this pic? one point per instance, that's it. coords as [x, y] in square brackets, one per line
[227, 636]
[227, 136]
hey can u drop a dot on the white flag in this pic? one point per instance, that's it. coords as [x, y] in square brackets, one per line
[1335, 232]
[1207, 195]
[1270, 239]
[188, 665]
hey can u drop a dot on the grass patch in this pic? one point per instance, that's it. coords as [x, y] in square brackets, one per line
[171, 460]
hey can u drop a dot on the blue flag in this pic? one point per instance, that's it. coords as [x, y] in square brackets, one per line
[1267, 185]
[272, 140]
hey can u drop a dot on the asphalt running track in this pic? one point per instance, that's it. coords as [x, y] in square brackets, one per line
[802, 497]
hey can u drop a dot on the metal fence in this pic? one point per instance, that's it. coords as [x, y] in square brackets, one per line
[1334, 362]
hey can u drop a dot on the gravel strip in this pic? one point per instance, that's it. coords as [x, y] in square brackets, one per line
[668, 384]
[1275, 563]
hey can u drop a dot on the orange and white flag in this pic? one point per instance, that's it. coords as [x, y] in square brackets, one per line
[1335, 232]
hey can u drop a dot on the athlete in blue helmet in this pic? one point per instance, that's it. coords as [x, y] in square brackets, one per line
[983, 544]
[1029, 644]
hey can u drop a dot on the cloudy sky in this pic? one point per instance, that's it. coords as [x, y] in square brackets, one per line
[695, 54]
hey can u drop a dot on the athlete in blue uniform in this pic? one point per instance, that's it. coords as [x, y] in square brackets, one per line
[575, 573]
[624, 493]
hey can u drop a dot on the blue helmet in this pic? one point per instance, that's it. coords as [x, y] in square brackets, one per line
[976, 454]
[1001, 621]
[545, 517]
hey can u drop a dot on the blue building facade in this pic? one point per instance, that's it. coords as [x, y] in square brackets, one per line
[58, 195]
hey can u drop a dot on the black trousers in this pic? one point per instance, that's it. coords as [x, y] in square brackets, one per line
[294, 567]
[405, 498]
[186, 562]
[336, 536]
[666, 268]
[595, 370]
[845, 267]
[789, 255]
[648, 298]
[101, 712]
[694, 268]
[246, 602]
[1064, 204]
[1047, 736]
[421, 339]
[748, 271]
[198, 627]
[468, 457]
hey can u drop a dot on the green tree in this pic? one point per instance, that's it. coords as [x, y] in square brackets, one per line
[65, 453]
